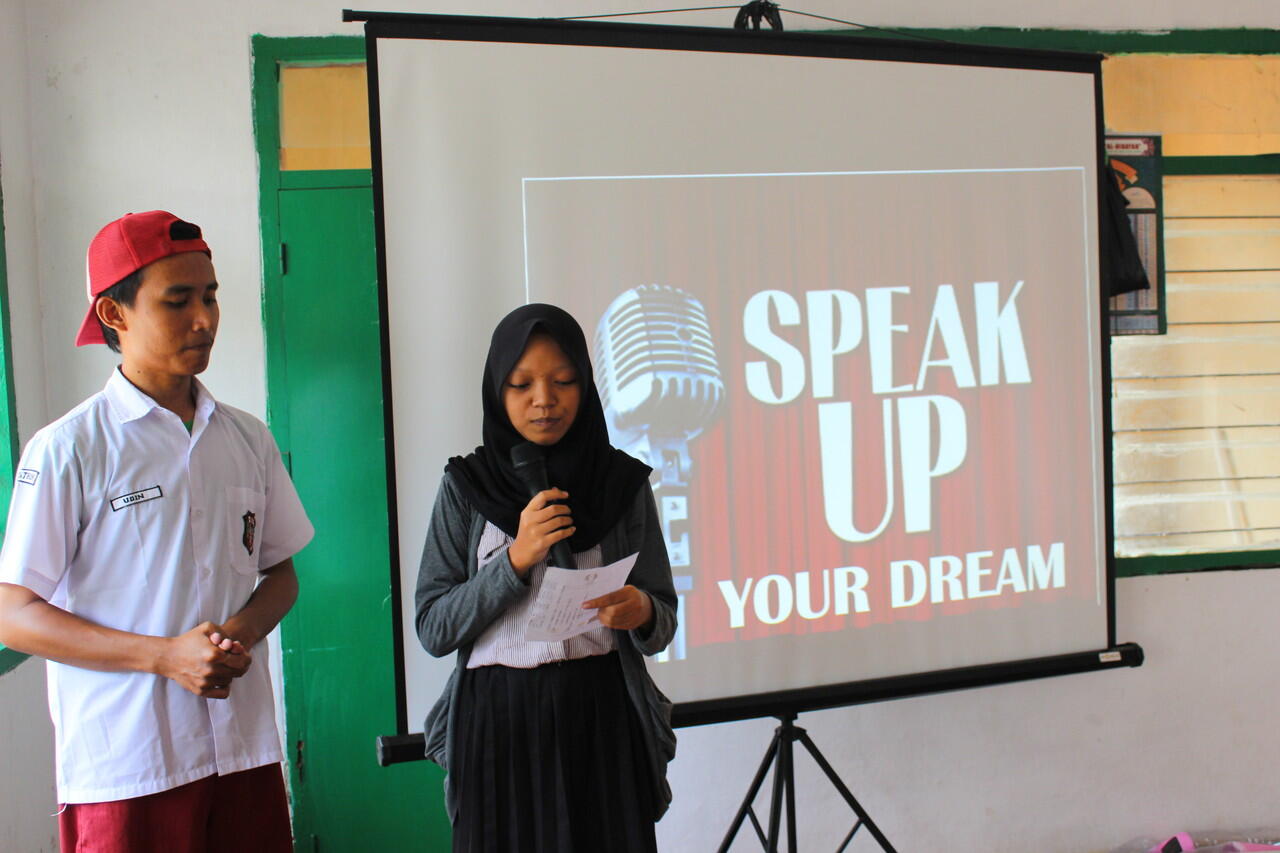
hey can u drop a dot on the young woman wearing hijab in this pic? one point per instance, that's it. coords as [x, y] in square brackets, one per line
[557, 746]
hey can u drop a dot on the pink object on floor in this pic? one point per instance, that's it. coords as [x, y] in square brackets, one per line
[1182, 840]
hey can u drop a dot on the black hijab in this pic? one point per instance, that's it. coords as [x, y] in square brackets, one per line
[600, 479]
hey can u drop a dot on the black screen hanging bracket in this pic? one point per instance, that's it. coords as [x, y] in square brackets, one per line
[755, 12]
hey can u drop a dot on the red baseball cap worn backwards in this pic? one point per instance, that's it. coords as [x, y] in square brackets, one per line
[127, 245]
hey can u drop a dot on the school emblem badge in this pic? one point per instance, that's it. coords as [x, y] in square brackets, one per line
[250, 527]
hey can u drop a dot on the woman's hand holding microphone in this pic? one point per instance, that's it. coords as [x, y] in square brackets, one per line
[545, 521]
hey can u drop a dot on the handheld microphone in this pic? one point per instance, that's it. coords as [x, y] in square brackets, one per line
[531, 468]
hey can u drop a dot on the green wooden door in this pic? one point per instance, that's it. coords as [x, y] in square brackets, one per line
[326, 403]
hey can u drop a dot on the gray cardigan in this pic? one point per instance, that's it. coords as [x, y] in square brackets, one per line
[457, 599]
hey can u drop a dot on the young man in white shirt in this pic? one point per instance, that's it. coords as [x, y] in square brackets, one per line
[147, 556]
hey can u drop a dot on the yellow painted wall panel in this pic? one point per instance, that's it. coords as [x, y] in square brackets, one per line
[296, 159]
[1201, 104]
[1216, 195]
[1257, 491]
[1194, 460]
[1222, 244]
[1151, 516]
[1137, 358]
[1223, 297]
[1218, 144]
[1173, 408]
[324, 117]
[1196, 515]
[1217, 487]
[1203, 543]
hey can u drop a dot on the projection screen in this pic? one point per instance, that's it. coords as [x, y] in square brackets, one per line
[844, 298]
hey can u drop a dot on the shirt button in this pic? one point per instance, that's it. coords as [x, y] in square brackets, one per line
[198, 513]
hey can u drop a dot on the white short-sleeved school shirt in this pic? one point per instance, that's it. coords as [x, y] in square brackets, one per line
[121, 516]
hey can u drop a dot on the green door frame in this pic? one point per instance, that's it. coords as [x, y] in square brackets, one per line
[268, 54]
[355, 802]
[8, 420]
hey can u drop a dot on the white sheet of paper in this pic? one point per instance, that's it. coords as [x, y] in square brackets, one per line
[557, 612]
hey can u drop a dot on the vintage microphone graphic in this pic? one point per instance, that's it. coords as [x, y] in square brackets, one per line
[660, 385]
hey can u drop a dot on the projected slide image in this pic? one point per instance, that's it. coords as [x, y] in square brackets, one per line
[867, 400]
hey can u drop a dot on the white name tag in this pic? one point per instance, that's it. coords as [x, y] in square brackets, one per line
[28, 476]
[136, 498]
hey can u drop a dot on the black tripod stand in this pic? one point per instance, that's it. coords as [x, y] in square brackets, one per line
[784, 784]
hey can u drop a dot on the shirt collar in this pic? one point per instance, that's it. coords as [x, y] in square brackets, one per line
[129, 403]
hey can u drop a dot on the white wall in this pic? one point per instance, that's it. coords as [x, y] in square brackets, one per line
[27, 795]
[112, 107]
[28, 800]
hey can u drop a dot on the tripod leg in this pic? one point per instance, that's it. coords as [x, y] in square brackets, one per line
[769, 756]
[781, 775]
[844, 792]
[791, 794]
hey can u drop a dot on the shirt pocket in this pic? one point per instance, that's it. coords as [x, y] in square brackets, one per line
[244, 527]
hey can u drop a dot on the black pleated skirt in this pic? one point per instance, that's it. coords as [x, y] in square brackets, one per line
[550, 760]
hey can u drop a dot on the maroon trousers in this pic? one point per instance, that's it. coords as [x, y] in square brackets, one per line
[244, 812]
